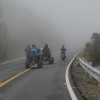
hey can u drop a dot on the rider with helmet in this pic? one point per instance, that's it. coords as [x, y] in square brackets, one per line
[63, 51]
[34, 52]
[46, 51]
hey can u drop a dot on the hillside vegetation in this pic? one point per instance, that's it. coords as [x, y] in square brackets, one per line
[92, 49]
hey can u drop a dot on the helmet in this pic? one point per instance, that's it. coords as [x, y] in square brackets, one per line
[41, 48]
[33, 45]
[46, 45]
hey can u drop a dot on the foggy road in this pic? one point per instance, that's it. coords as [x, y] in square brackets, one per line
[25, 24]
[47, 83]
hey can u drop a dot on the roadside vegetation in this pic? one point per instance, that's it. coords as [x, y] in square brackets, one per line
[92, 50]
[8, 46]
[14, 39]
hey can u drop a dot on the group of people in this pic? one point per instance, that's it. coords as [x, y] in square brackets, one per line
[45, 51]
[34, 51]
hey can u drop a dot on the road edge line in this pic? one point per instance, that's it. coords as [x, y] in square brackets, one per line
[71, 92]
[11, 61]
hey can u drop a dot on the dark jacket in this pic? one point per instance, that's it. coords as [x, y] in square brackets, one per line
[45, 50]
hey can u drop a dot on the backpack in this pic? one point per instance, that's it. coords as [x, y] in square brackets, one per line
[34, 52]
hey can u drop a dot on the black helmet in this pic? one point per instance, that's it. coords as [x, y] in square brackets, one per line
[46, 45]
[33, 45]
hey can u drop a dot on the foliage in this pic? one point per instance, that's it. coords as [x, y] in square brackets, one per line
[92, 49]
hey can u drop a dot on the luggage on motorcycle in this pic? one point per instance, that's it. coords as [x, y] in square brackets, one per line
[34, 52]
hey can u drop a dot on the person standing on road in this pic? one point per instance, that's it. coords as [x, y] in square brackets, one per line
[27, 50]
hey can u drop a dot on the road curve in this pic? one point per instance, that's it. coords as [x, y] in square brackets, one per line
[47, 83]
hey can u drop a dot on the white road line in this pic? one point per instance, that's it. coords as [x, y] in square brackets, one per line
[72, 94]
[10, 61]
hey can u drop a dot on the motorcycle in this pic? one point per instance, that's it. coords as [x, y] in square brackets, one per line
[63, 56]
[30, 61]
[47, 58]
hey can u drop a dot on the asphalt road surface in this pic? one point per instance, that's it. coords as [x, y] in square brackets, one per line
[47, 83]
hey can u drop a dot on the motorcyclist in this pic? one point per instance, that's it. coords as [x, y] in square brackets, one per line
[63, 49]
[46, 51]
[34, 52]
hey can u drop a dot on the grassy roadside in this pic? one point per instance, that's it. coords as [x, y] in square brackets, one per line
[86, 85]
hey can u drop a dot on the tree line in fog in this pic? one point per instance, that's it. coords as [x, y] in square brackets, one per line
[92, 49]
[12, 45]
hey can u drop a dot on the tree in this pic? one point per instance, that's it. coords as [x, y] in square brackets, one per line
[92, 49]
[3, 38]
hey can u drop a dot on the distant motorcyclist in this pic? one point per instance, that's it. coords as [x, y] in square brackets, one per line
[46, 50]
[63, 49]
[63, 52]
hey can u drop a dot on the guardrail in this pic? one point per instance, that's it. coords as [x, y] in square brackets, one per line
[90, 70]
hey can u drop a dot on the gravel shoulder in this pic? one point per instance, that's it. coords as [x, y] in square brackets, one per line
[88, 86]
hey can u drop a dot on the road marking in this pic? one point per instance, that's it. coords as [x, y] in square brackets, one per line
[72, 94]
[9, 80]
[10, 61]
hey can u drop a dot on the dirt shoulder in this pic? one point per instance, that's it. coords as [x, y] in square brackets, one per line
[86, 85]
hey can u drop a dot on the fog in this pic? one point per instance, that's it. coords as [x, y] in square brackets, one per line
[56, 22]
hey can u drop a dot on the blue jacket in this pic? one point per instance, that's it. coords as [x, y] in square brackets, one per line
[63, 49]
[34, 51]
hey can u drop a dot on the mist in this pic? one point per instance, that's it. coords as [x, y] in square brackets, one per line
[56, 22]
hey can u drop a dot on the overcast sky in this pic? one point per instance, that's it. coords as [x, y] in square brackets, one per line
[75, 20]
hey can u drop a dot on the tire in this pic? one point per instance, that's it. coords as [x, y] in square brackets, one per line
[40, 63]
[63, 59]
[51, 60]
[27, 63]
